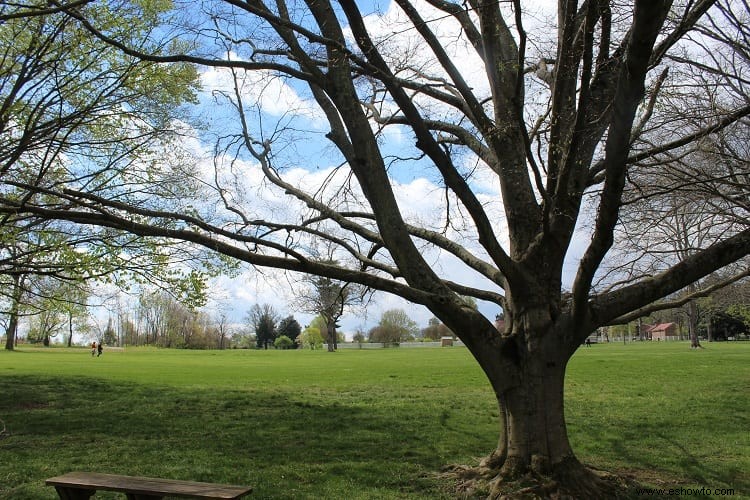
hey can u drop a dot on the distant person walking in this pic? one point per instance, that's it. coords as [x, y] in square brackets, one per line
[99, 349]
[93, 349]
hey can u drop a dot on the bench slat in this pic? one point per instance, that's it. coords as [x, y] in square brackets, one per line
[147, 485]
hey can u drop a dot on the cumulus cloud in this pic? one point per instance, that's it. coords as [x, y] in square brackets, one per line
[264, 89]
[399, 40]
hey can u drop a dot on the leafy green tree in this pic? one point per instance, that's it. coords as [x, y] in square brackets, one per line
[290, 328]
[51, 304]
[168, 321]
[435, 329]
[619, 331]
[359, 337]
[742, 312]
[109, 335]
[311, 338]
[44, 326]
[732, 300]
[395, 326]
[724, 325]
[283, 342]
[129, 333]
[76, 111]
[375, 334]
[74, 306]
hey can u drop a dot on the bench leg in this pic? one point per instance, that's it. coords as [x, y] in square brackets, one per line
[73, 493]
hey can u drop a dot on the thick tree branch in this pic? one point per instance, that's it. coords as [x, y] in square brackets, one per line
[597, 171]
[213, 241]
[607, 307]
[648, 19]
[429, 145]
[672, 304]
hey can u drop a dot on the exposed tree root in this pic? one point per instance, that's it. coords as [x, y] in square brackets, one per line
[568, 481]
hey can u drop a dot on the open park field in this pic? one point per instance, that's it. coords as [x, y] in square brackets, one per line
[358, 424]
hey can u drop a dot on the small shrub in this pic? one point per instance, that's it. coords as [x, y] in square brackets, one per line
[283, 342]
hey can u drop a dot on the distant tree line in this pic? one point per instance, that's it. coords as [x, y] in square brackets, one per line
[159, 319]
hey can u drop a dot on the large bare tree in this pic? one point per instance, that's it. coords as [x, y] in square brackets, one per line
[562, 115]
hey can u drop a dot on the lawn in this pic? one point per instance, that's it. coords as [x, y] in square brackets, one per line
[358, 424]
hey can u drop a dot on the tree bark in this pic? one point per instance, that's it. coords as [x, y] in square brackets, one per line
[693, 325]
[331, 335]
[70, 329]
[534, 455]
[12, 330]
[527, 373]
[535, 437]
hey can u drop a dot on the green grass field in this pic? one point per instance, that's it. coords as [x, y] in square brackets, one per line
[369, 424]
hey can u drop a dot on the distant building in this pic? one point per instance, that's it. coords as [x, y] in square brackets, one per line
[660, 331]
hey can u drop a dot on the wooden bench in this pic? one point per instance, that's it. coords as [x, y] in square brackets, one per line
[82, 485]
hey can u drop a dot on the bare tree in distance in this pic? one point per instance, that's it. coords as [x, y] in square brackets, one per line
[330, 299]
[563, 124]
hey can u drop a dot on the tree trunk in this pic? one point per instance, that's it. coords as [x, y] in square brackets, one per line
[527, 373]
[12, 330]
[331, 334]
[70, 329]
[533, 448]
[534, 433]
[693, 325]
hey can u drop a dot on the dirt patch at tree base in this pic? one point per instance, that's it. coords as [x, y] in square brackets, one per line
[479, 482]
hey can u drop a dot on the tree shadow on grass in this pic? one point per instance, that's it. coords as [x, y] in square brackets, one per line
[685, 469]
[283, 444]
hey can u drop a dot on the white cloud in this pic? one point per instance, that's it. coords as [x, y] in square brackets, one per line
[264, 89]
[400, 41]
